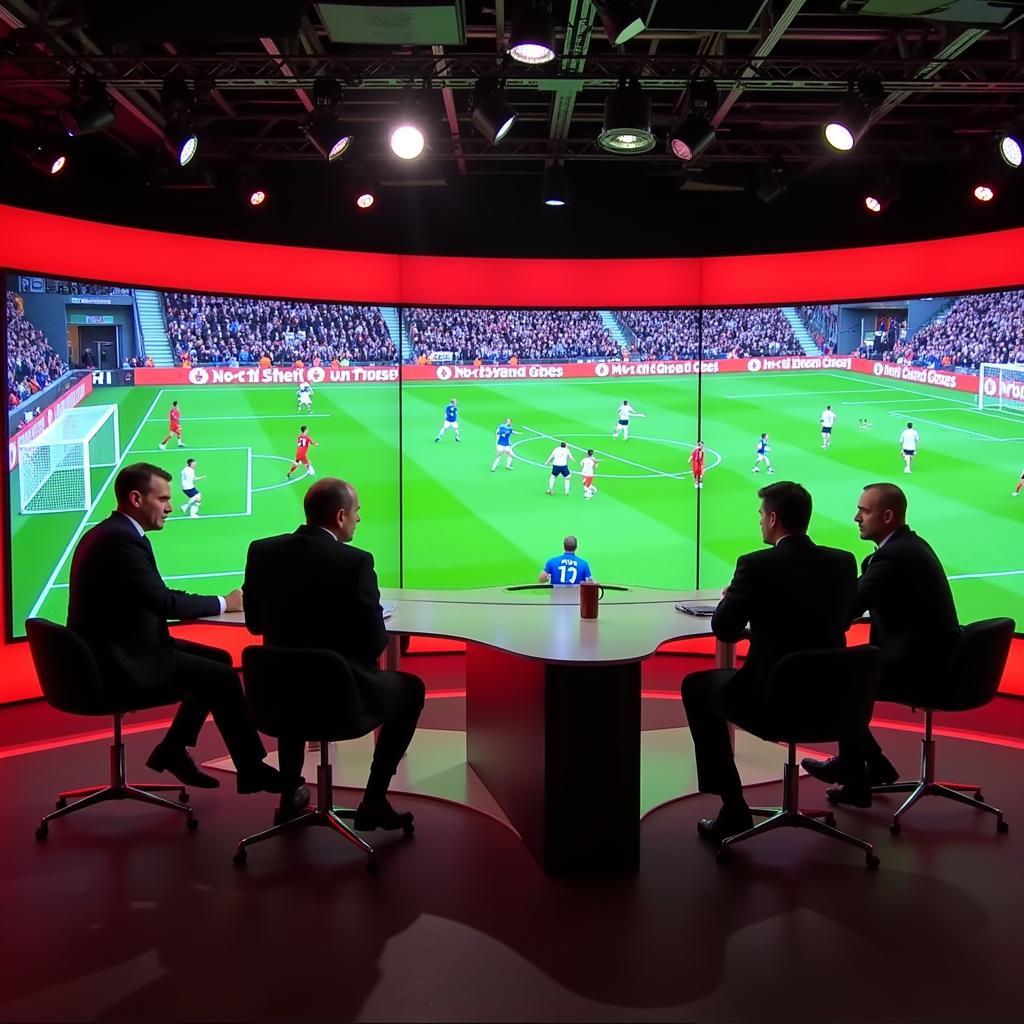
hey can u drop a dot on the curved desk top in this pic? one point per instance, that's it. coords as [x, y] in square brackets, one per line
[544, 623]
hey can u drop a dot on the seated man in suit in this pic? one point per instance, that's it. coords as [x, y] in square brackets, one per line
[795, 596]
[311, 588]
[913, 620]
[119, 605]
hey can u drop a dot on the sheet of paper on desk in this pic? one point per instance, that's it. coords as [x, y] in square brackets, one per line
[387, 607]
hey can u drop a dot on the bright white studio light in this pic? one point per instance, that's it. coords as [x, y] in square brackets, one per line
[407, 142]
[838, 136]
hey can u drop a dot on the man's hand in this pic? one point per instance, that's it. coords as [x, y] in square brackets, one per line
[233, 601]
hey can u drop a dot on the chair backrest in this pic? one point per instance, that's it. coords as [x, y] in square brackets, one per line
[976, 667]
[822, 695]
[304, 692]
[68, 674]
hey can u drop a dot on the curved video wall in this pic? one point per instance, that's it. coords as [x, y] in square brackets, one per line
[405, 385]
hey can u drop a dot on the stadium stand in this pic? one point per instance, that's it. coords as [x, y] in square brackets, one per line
[32, 363]
[242, 331]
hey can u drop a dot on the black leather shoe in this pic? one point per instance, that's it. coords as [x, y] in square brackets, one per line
[370, 817]
[829, 770]
[182, 766]
[261, 778]
[292, 805]
[855, 796]
[727, 823]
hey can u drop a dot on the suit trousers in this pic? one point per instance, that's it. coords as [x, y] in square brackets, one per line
[711, 702]
[207, 684]
[392, 700]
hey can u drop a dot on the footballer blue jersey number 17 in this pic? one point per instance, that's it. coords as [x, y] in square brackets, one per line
[504, 435]
[451, 413]
[567, 570]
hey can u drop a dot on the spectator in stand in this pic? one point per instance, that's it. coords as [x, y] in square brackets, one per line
[218, 329]
[31, 362]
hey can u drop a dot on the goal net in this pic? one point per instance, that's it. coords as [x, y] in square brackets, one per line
[1001, 386]
[55, 468]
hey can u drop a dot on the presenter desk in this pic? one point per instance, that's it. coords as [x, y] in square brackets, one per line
[553, 705]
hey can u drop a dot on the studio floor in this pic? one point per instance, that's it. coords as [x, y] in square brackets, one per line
[124, 916]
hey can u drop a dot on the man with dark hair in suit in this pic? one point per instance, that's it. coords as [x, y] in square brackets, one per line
[913, 620]
[795, 596]
[119, 605]
[312, 588]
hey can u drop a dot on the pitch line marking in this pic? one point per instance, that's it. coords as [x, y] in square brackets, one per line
[275, 416]
[986, 575]
[946, 426]
[187, 576]
[284, 483]
[656, 473]
[48, 586]
[802, 394]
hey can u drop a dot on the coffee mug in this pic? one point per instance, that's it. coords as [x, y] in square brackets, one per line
[590, 594]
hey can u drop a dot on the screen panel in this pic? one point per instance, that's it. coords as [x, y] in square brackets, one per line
[234, 367]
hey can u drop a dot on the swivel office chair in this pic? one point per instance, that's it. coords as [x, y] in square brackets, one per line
[817, 696]
[71, 681]
[971, 681]
[310, 694]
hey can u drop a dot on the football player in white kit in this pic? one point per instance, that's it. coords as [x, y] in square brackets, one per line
[559, 458]
[304, 396]
[908, 445]
[188, 485]
[828, 421]
[625, 411]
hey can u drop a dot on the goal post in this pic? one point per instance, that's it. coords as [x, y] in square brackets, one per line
[55, 467]
[1001, 386]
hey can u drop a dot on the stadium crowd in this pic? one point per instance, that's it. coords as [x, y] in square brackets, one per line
[504, 335]
[31, 363]
[823, 323]
[981, 328]
[662, 333]
[240, 331]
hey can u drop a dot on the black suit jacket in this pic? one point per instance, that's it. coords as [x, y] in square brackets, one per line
[795, 596]
[306, 589]
[119, 604]
[913, 617]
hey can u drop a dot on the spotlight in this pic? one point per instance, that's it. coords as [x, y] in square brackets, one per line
[323, 129]
[556, 185]
[984, 193]
[882, 194]
[48, 159]
[407, 141]
[177, 103]
[853, 115]
[531, 39]
[627, 120]
[621, 19]
[1010, 149]
[492, 116]
[690, 137]
[182, 141]
[257, 197]
[90, 110]
[365, 199]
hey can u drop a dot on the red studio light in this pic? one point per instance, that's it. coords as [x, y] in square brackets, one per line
[257, 197]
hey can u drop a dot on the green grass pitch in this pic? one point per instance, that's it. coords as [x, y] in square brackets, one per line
[461, 525]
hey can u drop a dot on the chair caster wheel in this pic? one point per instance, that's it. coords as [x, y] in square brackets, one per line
[183, 797]
[239, 858]
[191, 823]
[895, 828]
[42, 832]
[830, 820]
[871, 862]
[1002, 826]
[408, 831]
[61, 803]
[372, 867]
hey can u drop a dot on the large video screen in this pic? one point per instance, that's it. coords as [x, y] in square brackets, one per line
[412, 405]
[232, 368]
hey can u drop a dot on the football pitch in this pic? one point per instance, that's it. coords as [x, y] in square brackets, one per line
[434, 515]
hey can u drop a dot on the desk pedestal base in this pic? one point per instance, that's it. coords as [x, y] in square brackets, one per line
[558, 747]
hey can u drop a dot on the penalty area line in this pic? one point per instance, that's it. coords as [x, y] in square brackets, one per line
[609, 455]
